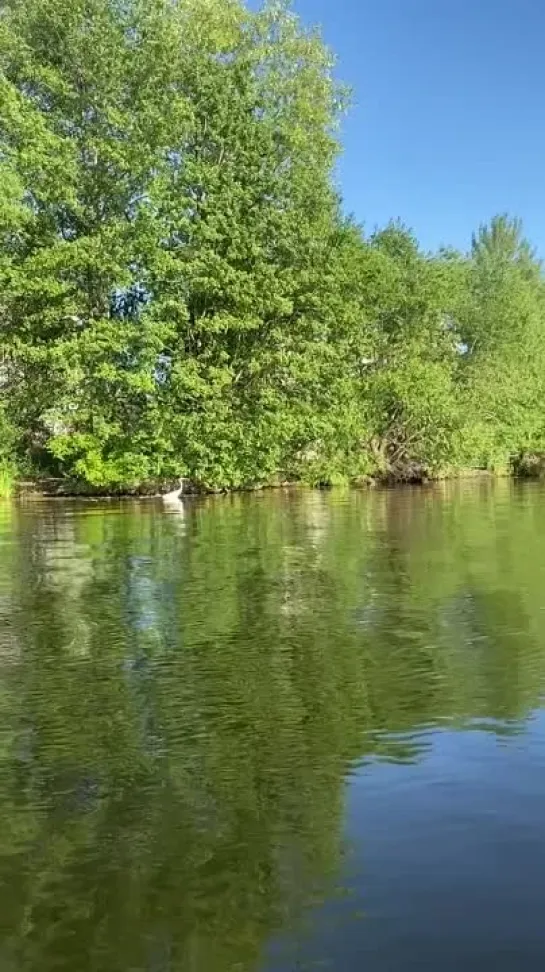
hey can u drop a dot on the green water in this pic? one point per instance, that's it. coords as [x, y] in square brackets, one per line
[276, 732]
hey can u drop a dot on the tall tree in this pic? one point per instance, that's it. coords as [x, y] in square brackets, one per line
[164, 300]
[502, 323]
[411, 386]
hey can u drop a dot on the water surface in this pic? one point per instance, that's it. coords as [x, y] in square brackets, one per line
[278, 732]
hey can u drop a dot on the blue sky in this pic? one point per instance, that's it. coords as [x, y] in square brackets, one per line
[448, 122]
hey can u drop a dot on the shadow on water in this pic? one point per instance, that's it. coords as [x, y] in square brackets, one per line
[182, 705]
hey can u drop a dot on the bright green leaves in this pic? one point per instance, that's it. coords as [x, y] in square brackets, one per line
[501, 315]
[179, 293]
[409, 381]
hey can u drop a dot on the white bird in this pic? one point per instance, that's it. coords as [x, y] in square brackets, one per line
[174, 498]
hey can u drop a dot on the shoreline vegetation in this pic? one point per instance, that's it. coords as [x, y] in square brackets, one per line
[182, 294]
[532, 468]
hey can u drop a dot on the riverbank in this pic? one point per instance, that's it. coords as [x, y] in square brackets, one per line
[70, 488]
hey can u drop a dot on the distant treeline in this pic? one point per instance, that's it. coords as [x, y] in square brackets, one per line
[181, 294]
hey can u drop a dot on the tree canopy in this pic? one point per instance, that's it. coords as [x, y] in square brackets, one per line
[181, 293]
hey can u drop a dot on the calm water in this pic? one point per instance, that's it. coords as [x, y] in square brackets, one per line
[279, 732]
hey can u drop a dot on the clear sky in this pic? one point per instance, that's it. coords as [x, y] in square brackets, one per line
[448, 123]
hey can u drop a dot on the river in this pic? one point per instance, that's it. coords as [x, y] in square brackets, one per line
[274, 732]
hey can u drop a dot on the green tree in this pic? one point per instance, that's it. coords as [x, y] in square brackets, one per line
[180, 292]
[411, 383]
[502, 326]
[165, 300]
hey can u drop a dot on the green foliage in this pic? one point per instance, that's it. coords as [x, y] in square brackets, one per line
[7, 443]
[412, 388]
[502, 324]
[6, 481]
[179, 292]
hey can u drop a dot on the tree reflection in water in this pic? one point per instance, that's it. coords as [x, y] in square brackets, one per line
[180, 709]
